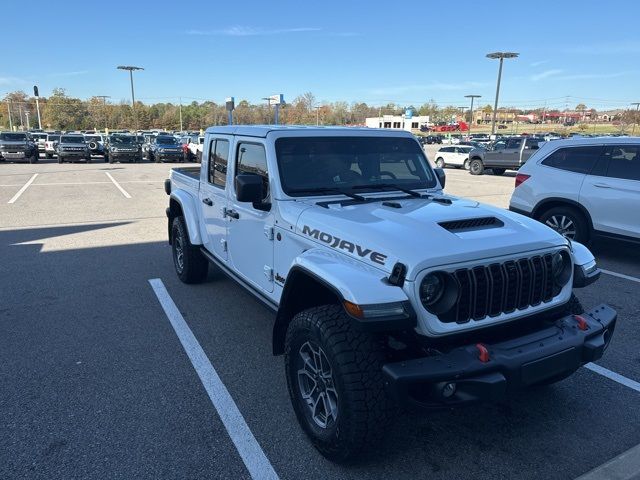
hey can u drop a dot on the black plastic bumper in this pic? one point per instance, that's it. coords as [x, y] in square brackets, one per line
[460, 376]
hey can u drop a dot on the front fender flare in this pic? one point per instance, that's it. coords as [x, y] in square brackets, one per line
[188, 206]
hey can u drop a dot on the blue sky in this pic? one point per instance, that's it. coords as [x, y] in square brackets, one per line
[374, 51]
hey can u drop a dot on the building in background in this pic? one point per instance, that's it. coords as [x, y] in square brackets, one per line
[398, 122]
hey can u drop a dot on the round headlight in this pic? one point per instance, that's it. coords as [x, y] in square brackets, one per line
[561, 268]
[431, 289]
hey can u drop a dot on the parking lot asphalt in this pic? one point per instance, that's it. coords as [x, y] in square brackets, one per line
[94, 382]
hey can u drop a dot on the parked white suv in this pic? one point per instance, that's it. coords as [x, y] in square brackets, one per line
[457, 156]
[583, 187]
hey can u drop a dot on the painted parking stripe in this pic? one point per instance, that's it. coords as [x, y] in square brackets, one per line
[24, 187]
[248, 447]
[624, 467]
[621, 275]
[122, 190]
[616, 377]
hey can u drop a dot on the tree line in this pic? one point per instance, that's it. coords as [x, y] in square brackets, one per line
[63, 112]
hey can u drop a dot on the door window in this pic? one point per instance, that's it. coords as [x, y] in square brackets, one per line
[624, 161]
[574, 159]
[513, 143]
[252, 158]
[218, 159]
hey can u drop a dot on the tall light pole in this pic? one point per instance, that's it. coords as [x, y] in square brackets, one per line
[104, 109]
[10, 120]
[471, 112]
[180, 108]
[317, 107]
[131, 69]
[501, 56]
[635, 120]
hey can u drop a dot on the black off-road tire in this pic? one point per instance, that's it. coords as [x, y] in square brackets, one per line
[498, 171]
[192, 266]
[199, 156]
[356, 358]
[582, 227]
[33, 158]
[476, 167]
[60, 159]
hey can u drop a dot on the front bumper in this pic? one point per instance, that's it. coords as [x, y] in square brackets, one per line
[169, 156]
[131, 156]
[553, 351]
[74, 153]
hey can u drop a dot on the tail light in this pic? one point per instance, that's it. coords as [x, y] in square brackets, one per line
[521, 178]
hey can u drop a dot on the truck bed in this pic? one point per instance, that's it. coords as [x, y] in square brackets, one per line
[187, 178]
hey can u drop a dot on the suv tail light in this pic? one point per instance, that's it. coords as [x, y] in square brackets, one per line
[521, 178]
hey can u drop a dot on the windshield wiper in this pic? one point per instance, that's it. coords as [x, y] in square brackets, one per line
[340, 191]
[389, 186]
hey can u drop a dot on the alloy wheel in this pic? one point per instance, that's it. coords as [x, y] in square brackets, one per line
[563, 225]
[316, 384]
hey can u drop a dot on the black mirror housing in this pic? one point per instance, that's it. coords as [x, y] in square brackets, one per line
[442, 177]
[249, 188]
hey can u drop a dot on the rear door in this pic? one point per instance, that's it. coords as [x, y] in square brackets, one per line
[213, 196]
[530, 147]
[612, 192]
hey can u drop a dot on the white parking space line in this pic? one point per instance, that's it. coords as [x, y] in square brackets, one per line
[122, 190]
[624, 467]
[24, 187]
[621, 275]
[248, 447]
[616, 377]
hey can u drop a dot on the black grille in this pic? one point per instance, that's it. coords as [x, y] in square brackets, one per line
[471, 224]
[488, 291]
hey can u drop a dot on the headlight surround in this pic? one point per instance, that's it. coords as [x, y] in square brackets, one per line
[438, 292]
[561, 268]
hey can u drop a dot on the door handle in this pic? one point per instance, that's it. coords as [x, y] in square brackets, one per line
[207, 201]
[231, 213]
[601, 185]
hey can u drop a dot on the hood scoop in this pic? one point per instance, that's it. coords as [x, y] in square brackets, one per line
[471, 224]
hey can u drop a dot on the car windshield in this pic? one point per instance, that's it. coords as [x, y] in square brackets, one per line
[92, 138]
[166, 141]
[53, 138]
[13, 137]
[122, 140]
[309, 165]
[71, 139]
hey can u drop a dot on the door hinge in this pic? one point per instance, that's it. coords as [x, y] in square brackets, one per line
[268, 272]
[223, 243]
[268, 232]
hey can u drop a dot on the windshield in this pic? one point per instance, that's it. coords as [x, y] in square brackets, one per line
[122, 140]
[166, 141]
[71, 139]
[13, 137]
[53, 138]
[92, 138]
[311, 163]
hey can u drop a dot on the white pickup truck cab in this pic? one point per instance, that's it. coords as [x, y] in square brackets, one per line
[386, 290]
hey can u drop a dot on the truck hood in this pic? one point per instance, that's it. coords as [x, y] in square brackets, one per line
[13, 144]
[418, 232]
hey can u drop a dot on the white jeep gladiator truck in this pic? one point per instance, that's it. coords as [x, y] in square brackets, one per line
[386, 291]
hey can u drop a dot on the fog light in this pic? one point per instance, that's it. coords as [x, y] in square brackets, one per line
[448, 390]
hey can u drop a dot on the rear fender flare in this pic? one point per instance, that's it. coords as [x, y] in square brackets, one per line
[188, 206]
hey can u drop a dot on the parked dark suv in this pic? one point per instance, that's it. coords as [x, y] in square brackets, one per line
[73, 147]
[165, 148]
[17, 146]
[123, 148]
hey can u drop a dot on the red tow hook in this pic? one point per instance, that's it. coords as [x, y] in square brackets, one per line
[483, 355]
[582, 322]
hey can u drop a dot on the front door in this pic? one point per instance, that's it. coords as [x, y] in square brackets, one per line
[214, 197]
[250, 226]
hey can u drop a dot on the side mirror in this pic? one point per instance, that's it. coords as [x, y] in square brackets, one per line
[249, 188]
[442, 177]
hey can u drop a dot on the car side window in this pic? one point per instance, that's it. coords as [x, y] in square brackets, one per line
[218, 160]
[624, 161]
[513, 143]
[531, 144]
[574, 159]
[252, 159]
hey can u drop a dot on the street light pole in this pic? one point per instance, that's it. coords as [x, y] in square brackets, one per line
[317, 107]
[180, 108]
[471, 112]
[131, 69]
[635, 120]
[104, 109]
[10, 120]
[501, 56]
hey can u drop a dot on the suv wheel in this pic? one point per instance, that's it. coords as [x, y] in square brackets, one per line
[466, 164]
[568, 222]
[476, 167]
[440, 162]
[33, 158]
[60, 159]
[191, 265]
[334, 376]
